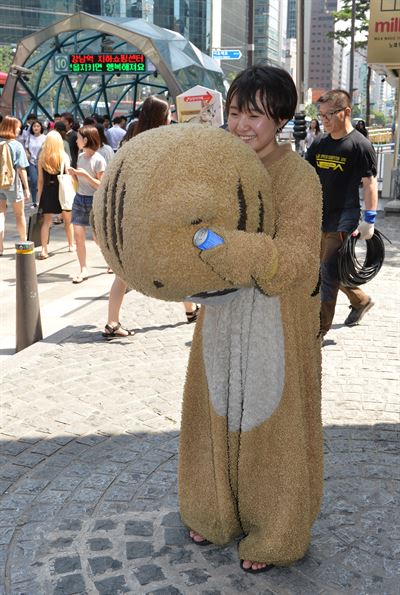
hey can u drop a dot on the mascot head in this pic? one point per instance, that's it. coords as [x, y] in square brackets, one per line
[161, 187]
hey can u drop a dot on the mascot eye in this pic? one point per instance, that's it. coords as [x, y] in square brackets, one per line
[158, 284]
[196, 222]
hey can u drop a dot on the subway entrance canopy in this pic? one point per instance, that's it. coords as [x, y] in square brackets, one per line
[91, 64]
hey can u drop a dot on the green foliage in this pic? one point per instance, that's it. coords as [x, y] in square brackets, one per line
[361, 23]
[379, 118]
[6, 57]
[311, 111]
[356, 112]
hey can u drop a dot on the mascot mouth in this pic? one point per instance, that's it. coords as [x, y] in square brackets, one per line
[206, 294]
[213, 297]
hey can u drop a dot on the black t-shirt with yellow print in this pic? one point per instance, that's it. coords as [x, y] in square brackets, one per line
[340, 165]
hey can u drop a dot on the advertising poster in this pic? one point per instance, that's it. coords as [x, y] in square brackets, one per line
[200, 105]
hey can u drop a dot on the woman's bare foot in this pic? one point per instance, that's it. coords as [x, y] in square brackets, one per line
[197, 538]
[255, 567]
[247, 564]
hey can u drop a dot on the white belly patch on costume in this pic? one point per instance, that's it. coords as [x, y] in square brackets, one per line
[244, 357]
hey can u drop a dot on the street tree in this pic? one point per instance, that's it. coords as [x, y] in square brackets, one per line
[6, 57]
[379, 118]
[311, 111]
[343, 33]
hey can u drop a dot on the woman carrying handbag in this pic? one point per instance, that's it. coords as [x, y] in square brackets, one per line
[53, 162]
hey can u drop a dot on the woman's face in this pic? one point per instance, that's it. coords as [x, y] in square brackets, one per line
[313, 124]
[254, 128]
[36, 129]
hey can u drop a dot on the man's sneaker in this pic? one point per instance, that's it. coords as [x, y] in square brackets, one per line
[357, 313]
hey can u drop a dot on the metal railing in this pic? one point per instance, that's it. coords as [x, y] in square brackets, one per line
[381, 150]
[380, 135]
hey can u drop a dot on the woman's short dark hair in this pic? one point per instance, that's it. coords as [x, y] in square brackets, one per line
[154, 113]
[275, 87]
[92, 137]
[32, 125]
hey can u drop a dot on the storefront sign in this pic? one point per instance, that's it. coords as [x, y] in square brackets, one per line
[107, 63]
[384, 33]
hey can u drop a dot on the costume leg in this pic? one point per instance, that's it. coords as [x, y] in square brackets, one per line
[207, 502]
[281, 461]
[331, 242]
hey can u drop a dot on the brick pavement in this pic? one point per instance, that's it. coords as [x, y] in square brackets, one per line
[89, 452]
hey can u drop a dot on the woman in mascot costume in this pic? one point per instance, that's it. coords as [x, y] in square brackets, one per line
[251, 458]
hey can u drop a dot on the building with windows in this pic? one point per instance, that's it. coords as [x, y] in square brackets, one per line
[190, 18]
[270, 17]
[291, 19]
[229, 32]
[19, 18]
[323, 70]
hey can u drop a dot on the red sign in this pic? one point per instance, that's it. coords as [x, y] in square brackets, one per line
[190, 98]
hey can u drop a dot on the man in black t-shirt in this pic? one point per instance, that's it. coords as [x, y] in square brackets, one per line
[343, 158]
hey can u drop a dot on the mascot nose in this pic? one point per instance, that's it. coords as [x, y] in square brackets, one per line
[158, 284]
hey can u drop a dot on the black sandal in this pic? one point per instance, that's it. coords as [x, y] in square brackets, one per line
[112, 331]
[192, 316]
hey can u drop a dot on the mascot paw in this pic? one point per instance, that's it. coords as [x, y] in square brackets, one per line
[232, 259]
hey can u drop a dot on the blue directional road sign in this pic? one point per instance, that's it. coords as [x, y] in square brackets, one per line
[226, 54]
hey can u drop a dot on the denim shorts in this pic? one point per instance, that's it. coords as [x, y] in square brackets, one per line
[81, 209]
[12, 194]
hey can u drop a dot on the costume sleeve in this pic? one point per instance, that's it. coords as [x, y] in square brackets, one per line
[295, 246]
[290, 255]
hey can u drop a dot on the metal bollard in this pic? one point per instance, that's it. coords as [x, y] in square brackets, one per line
[29, 326]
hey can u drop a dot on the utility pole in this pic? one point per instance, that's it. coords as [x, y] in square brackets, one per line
[300, 127]
[300, 54]
[352, 47]
[250, 32]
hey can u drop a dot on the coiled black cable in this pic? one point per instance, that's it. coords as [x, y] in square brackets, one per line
[351, 271]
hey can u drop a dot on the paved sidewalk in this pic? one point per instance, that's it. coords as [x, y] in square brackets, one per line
[61, 302]
[89, 452]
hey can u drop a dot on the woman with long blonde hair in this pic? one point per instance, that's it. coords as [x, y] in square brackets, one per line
[52, 158]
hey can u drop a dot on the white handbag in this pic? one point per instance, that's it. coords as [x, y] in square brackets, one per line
[66, 190]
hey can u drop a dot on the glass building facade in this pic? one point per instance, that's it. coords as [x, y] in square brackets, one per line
[267, 32]
[234, 34]
[19, 18]
[190, 18]
[291, 19]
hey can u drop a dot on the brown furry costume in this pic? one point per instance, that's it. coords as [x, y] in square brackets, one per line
[251, 438]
